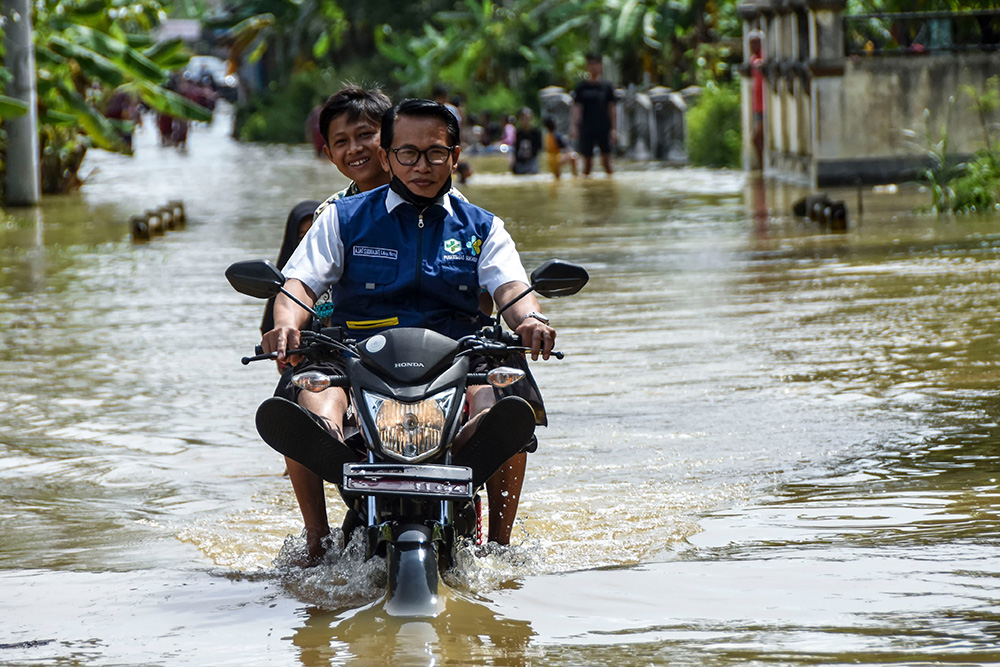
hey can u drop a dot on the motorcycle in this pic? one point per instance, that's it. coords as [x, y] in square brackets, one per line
[415, 497]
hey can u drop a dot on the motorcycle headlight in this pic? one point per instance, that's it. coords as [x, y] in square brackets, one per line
[410, 431]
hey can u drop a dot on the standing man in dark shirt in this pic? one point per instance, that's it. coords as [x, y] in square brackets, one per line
[594, 115]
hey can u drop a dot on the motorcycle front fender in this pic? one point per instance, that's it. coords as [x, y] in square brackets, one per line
[412, 559]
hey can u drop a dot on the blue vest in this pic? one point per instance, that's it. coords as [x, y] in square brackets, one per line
[398, 272]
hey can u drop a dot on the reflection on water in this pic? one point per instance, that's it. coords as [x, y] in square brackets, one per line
[768, 444]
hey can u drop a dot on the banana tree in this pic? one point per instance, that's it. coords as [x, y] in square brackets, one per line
[87, 52]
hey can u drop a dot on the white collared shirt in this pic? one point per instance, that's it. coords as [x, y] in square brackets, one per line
[318, 261]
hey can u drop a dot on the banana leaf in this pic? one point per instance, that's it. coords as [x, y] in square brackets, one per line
[94, 65]
[241, 35]
[138, 65]
[57, 118]
[170, 103]
[100, 130]
[170, 54]
[628, 20]
[560, 30]
[84, 13]
[11, 108]
[45, 56]
[140, 40]
[257, 53]
[123, 126]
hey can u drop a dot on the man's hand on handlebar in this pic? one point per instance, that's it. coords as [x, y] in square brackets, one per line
[537, 336]
[279, 340]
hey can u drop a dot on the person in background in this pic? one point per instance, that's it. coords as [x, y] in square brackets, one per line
[527, 144]
[509, 132]
[757, 81]
[491, 129]
[557, 149]
[441, 97]
[124, 107]
[464, 171]
[313, 134]
[594, 115]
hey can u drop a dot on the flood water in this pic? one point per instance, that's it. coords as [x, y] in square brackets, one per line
[769, 444]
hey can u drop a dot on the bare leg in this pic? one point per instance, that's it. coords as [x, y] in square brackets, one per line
[606, 161]
[308, 486]
[504, 491]
[571, 161]
[588, 164]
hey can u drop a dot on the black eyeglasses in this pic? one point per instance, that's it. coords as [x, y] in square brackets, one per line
[410, 156]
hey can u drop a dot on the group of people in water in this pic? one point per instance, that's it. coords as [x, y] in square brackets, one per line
[592, 125]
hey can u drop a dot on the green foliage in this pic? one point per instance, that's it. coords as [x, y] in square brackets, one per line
[11, 108]
[280, 115]
[86, 52]
[714, 137]
[892, 6]
[977, 188]
[939, 171]
[972, 186]
[294, 33]
[496, 54]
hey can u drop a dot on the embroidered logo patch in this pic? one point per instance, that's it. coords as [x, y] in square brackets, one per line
[474, 245]
[452, 245]
[368, 251]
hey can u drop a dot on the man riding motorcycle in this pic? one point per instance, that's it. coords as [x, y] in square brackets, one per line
[407, 254]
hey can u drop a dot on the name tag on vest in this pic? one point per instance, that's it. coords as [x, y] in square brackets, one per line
[368, 251]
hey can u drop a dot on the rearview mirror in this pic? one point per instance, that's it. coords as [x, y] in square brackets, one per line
[557, 278]
[257, 278]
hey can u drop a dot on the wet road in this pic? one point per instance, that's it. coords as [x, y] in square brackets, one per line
[768, 444]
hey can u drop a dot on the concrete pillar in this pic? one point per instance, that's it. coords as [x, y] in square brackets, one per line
[826, 65]
[557, 104]
[23, 180]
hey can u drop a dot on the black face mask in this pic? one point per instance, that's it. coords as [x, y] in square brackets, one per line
[419, 201]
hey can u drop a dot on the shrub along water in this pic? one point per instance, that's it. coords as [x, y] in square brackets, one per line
[714, 136]
[971, 186]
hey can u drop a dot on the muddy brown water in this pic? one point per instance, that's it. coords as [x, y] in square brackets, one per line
[769, 444]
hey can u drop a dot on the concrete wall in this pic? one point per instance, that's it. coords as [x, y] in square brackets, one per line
[834, 120]
[881, 96]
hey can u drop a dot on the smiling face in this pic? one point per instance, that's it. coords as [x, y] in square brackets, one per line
[352, 145]
[420, 132]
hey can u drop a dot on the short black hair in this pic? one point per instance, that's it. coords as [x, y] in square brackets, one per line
[356, 102]
[594, 57]
[550, 123]
[423, 109]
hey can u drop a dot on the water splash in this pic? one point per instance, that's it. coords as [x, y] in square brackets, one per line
[343, 578]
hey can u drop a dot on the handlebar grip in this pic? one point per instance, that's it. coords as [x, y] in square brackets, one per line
[258, 357]
[510, 338]
[259, 349]
[476, 379]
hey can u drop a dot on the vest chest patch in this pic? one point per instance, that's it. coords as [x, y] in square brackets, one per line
[380, 253]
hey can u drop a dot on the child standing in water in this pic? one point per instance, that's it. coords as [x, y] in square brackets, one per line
[557, 149]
